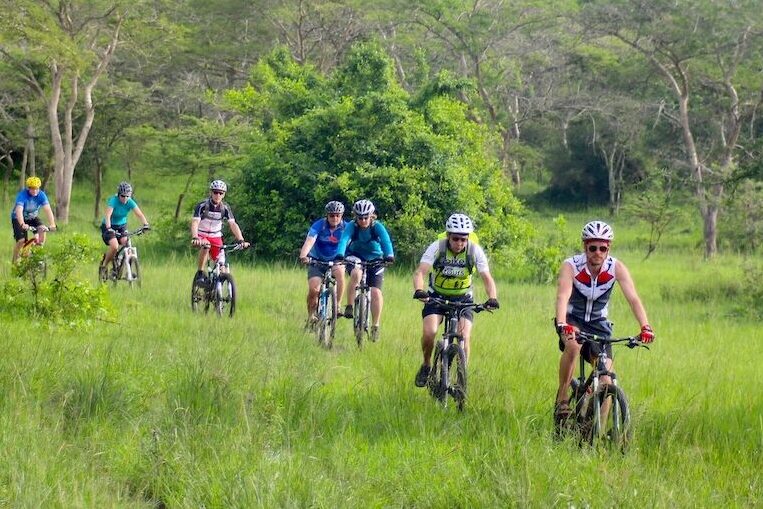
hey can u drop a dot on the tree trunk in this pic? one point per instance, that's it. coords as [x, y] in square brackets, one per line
[185, 191]
[98, 188]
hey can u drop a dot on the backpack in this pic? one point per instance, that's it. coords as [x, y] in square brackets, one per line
[356, 233]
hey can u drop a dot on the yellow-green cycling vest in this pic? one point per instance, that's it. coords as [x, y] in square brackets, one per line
[451, 274]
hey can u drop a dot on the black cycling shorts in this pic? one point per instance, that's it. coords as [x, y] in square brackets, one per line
[18, 233]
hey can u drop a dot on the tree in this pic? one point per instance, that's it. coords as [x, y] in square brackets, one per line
[703, 52]
[75, 47]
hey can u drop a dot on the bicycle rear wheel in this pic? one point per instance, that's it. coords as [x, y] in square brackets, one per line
[457, 374]
[133, 272]
[225, 295]
[612, 426]
[327, 316]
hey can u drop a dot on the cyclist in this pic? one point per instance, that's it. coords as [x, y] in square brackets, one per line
[207, 225]
[585, 286]
[321, 244]
[366, 239]
[114, 221]
[450, 264]
[28, 203]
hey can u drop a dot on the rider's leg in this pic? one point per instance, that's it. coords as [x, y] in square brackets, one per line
[111, 251]
[20, 236]
[202, 260]
[428, 332]
[351, 290]
[17, 249]
[313, 288]
[377, 303]
[465, 328]
[567, 368]
[338, 272]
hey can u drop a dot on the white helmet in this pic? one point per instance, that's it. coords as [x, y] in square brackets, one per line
[363, 208]
[218, 185]
[597, 230]
[459, 223]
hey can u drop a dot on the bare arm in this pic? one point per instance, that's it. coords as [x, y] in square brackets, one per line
[49, 213]
[418, 275]
[107, 217]
[307, 246]
[19, 214]
[140, 215]
[195, 227]
[623, 277]
[563, 292]
[490, 289]
[236, 231]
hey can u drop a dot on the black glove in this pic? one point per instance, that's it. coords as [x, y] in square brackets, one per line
[492, 304]
[420, 294]
[146, 227]
[389, 260]
[339, 258]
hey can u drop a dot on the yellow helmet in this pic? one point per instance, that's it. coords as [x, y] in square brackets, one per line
[34, 182]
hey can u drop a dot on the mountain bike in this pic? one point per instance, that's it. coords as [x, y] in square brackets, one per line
[218, 289]
[125, 265]
[600, 412]
[30, 245]
[327, 305]
[448, 374]
[362, 305]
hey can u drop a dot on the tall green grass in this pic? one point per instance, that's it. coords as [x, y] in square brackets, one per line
[170, 409]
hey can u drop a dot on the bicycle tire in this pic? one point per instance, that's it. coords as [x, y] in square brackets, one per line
[199, 296]
[457, 367]
[103, 273]
[360, 319]
[225, 295]
[615, 431]
[435, 379]
[327, 316]
[117, 273]
[134, 272]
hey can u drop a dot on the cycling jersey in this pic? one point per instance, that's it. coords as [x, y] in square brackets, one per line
[30, 204]
[120, 210]
[450, 275]
[211, 217]
[326, 239]
[590, 296]
[365, 243]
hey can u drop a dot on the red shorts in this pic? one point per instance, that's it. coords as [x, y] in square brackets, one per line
[216, 243]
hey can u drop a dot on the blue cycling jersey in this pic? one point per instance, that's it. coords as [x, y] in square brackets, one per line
[119, 214]
[326, 239]
[369, 243]
[30, 204]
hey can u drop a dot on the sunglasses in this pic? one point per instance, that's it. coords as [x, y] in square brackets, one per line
[455, 238]
[334, 215]
[124, 195]
[363, 218]
[218, 192]
[602, 249]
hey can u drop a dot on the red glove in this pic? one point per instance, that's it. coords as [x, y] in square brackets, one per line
[565, 329]
[647, 334]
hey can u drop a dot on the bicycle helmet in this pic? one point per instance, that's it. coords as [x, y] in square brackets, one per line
[124, 188]
[363, 208]
[34, 182]
[597, 230]
[334, 207]
[218, 185]
[460, 224]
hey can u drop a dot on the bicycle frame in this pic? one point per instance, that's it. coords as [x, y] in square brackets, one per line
[362, 302]
[326, 319]
[122, 263]
[219, 276]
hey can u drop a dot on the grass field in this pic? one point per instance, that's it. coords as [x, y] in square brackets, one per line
[170, 409]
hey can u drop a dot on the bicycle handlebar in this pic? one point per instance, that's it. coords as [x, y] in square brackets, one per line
[42, 229]
[456, 305]
[632, 341]
[321, 263]
[139, 231]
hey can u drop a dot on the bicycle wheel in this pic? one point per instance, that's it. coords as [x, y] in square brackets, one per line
[611, 427]
[133, 272]
[225, 295]
[199, 296]
[360, 321]
[118, 272]
[103, 271]
[327, 316]
[457, 374]
[435, 381]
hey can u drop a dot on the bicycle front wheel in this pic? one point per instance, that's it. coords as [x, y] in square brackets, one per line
[612, 427]
[457, 374]
[199, 296]
[225, 295]
[360, 321]
[133, 272]
[327, 315]
[436, 382]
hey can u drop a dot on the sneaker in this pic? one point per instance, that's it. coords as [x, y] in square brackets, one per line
[374, 333]
[422, 375]
[200, 277]
[348, 311]
[562, 413]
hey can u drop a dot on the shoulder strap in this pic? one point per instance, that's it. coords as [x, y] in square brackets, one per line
[356, 232]
[442, 252]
